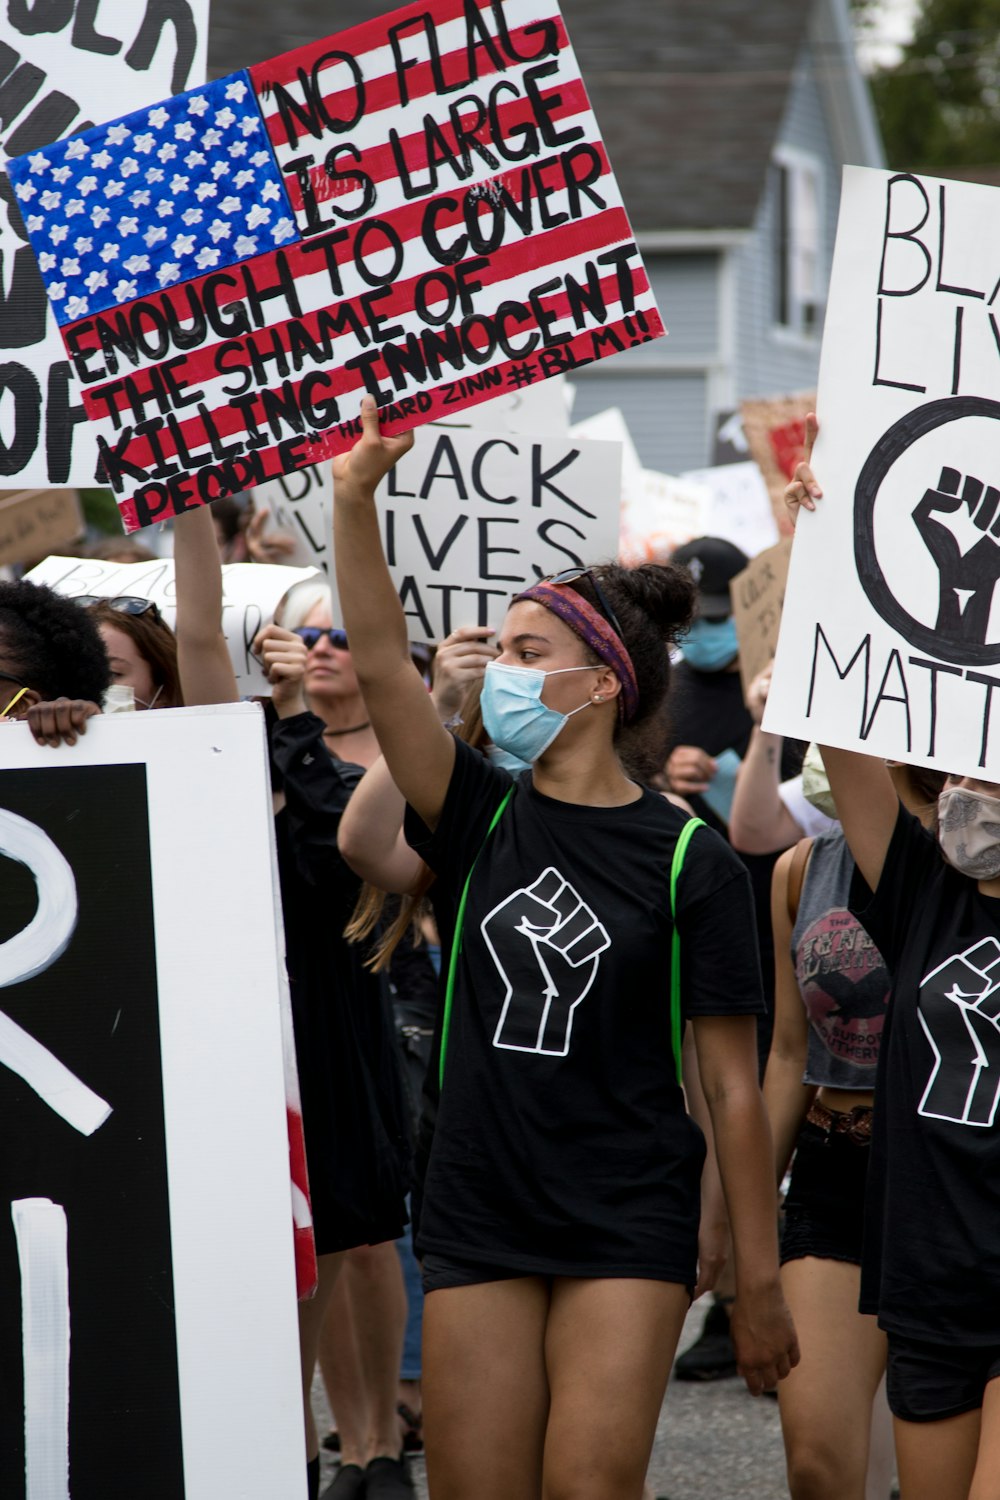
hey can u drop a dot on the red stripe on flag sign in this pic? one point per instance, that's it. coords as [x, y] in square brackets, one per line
[321, 92]
[193, 309]
[161, 498]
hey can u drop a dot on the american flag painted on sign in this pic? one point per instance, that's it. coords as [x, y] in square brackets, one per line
[420, 207]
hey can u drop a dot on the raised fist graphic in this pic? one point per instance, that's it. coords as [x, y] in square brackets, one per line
[546, 944]
[959, 1010]
[960, 527]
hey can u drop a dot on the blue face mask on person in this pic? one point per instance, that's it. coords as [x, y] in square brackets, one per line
[514, 716]
[710, 645]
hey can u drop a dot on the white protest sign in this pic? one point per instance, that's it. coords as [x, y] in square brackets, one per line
[543, 407]
[660, 512]
[740, 510]
[64, 67]
[250, 595]
[301, 506]
[469, 518]
[147, 1223]
[890, 639]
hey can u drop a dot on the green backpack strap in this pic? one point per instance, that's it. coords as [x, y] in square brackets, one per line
[456, 942]
[677, 864]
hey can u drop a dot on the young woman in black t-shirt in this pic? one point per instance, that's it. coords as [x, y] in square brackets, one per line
[560, 1219]
[931, 1257]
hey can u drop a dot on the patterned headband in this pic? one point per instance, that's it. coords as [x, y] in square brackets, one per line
[596, 632]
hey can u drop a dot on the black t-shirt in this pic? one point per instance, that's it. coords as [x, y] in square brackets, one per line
[932, 1236]
[562, 1145]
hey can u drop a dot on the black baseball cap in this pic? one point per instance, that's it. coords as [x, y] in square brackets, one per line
[712, 562]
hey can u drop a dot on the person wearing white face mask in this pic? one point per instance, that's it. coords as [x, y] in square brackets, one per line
[559, 1224]
[931, 1258]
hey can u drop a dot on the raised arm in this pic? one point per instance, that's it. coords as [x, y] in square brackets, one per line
[418, 750]
[785, 1095]
[759, 822]
[866, 800]
[371, 834]
[206, 669]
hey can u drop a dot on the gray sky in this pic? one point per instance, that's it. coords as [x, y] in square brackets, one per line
[893, 26]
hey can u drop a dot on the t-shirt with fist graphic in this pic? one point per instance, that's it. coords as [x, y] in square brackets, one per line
[562, 1145]
[932, 1234]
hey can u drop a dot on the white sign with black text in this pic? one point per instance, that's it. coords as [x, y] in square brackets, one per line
[890, 637]
[63, 68]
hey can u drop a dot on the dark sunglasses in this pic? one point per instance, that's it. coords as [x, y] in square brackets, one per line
[312, 633]
[570, 575]
[125, 604]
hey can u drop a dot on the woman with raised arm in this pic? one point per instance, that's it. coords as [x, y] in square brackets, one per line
[560, 1218]
[931, 1260]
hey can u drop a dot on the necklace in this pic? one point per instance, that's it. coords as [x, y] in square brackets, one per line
[351, 729]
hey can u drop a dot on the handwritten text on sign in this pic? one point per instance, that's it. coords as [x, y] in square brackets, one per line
[890, 639]
[421, 207]
[61, 68]
[468, 518]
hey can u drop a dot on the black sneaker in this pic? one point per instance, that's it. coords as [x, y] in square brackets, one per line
[711, 1356]
[388, 1479]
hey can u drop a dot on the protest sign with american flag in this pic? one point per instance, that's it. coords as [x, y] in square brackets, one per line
[420, 207]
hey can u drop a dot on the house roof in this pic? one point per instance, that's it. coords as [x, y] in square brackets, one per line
[689, 93]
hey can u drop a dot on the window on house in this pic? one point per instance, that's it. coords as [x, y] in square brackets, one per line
[798, 290]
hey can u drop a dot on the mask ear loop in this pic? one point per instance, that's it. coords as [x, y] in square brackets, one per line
[19, 694]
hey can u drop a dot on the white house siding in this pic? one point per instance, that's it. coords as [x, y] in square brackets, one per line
[662, 387]
[769, 361]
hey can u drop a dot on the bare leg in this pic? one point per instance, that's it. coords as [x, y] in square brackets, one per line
[881, 1450]
[609, 1345]
[340, 1363]
[374, 1283]
[937, 1459]
[311, 1316]
[986, 1482]
[485, 1390]
[826, 1401]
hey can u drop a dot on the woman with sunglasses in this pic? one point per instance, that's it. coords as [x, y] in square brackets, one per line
[560, 1218]
[353, 1105]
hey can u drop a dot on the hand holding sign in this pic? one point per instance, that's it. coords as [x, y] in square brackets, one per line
[363, 467]
[803, 491]
[284, 656]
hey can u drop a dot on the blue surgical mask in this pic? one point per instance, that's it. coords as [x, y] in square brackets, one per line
[507, 762]
[710, 645]
[514, 716]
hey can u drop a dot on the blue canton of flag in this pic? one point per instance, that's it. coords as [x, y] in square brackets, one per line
[160, 196]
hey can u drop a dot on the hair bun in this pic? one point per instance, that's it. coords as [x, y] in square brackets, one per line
[665, 593]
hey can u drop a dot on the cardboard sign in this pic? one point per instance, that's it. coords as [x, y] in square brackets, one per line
[890, 641]
[34, 522]
[775, 432]
[420, 207]
[469, 518]
[143, 1110]
[63, 66]
[250, 595]
[758, 594]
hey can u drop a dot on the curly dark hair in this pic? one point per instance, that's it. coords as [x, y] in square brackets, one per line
[655, 603]
[50, 644]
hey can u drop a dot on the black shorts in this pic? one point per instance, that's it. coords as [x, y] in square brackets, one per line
[440, 1273]
[928, 1382]
[825, 1206]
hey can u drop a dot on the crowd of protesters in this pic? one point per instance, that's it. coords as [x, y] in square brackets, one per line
[582, 962]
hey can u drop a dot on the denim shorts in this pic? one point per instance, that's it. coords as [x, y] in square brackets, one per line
[825, 1205]
[928, 1382]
